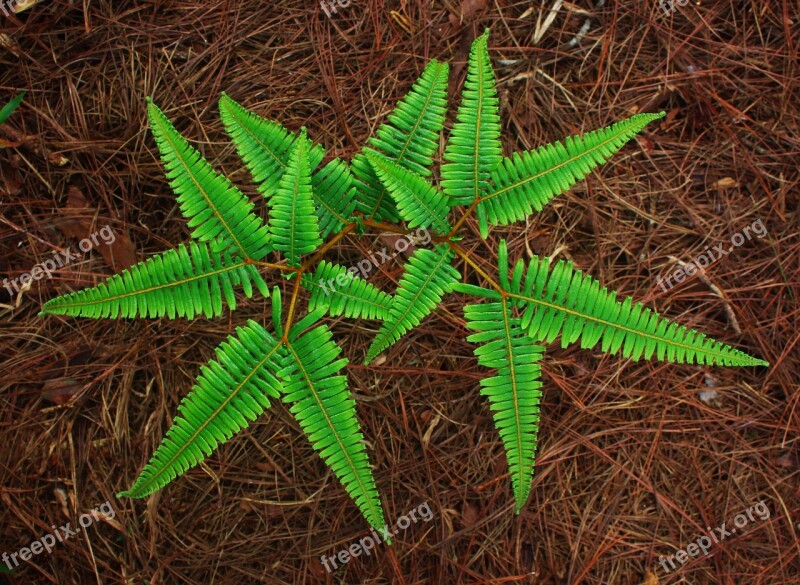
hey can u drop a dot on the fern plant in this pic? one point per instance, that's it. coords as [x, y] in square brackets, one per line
[292, 356]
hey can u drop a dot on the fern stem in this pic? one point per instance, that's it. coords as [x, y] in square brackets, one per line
[292, 304]
[509, 347]
[464, 217]
[281, 267]
[386, 227]
[326, 246]
[466, 257]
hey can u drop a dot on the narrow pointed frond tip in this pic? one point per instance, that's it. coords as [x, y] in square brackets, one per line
[231, 392]
[428, 276]
[214, 207]
[410, 138]
[474, 148]
[292, 222]
[263, 145]
[527, 181]
[514, 392]
[559, 300]
[325, 409]
[177, 283]
[419, 203]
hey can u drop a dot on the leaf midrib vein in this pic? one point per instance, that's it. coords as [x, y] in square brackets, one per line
[310, 384]
[205, 423]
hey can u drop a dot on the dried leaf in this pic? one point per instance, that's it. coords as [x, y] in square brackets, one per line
[22, 5]
[650, 579]
[725, 183]
[61, 390]
[470, 515]
[118, 253]
[710, 397]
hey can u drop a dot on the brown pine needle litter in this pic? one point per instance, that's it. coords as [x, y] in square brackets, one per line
[636, 462]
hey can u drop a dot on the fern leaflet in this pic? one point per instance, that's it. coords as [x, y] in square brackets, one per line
[341, 292]
[410, 138]
[419, 203]
[11, 106]
[326, 411]
[175, 283]
[231, 392]
[514, 392]
[474, 147]
[428, 277]
[262, 144]
[561, 300]
[529, 180]
[265, 147]
[292, 222]
[215, 208]
[334, 196]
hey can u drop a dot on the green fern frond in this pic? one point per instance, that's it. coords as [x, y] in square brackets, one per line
[474, 148]
[340, 291]
[529, 180]
[262, 144]
[514, 392]
[334, 196]
[175, 283]
[410, 138]
[215, 208]
[231, 392]
[419, 203]
[561, 300]
[322, 404]
[292, 221]
[428, 277]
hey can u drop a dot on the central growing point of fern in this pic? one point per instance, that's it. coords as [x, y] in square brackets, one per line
[312, 205]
